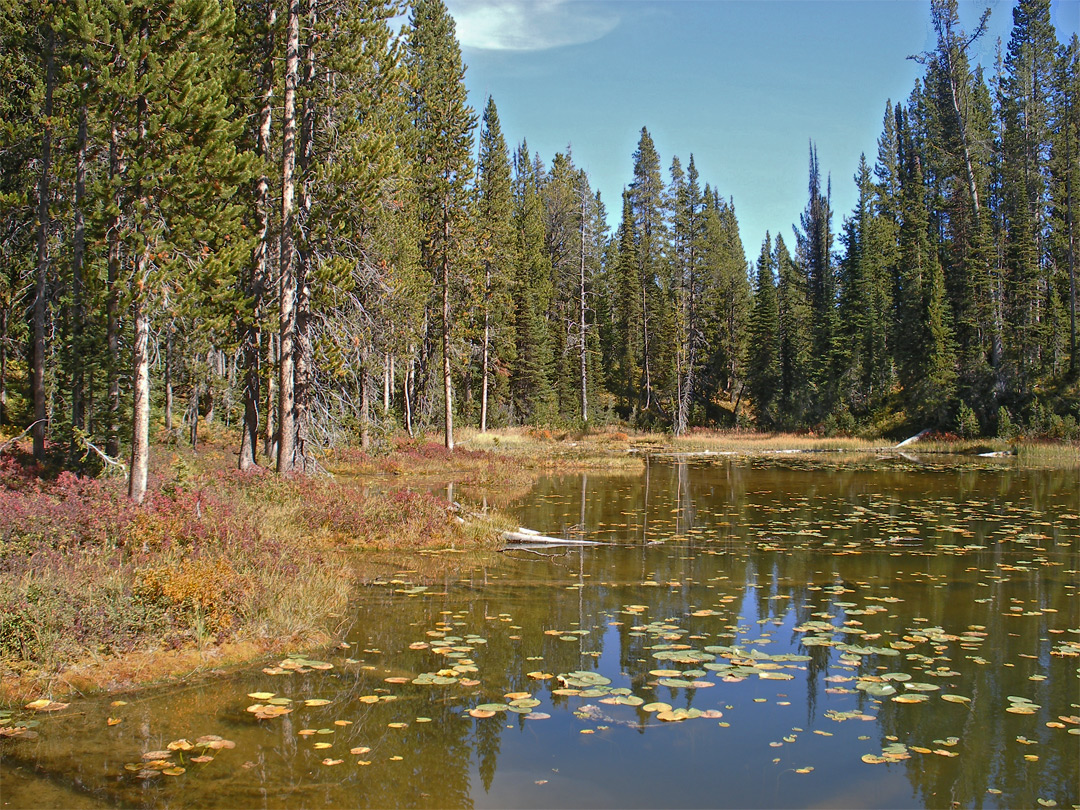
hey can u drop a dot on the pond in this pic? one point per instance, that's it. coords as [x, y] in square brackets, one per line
[809, 631]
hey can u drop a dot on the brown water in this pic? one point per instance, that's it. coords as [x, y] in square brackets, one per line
[784, 603]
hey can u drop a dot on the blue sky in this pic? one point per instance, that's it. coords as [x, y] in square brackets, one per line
[742, 84]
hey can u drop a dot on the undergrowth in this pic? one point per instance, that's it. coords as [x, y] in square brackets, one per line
[212, 556]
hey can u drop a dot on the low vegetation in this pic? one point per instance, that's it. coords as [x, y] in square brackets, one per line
[213, 558]
[219, 565]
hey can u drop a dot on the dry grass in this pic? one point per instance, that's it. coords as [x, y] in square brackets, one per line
[214, 560]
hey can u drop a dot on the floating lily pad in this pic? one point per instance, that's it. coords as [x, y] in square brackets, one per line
[921, 687]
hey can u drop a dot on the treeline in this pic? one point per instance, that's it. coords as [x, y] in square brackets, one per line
[283, 214]
[949, 295]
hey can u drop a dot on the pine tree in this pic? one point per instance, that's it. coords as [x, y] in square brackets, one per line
[726, 297]
[259, 20]
[687, 258]
[1065, 168]
[179, 171]
[926, 352]
[622, 341]
[444, 124]
[1025, 97]
[814, 255]
[534, 395]
[494, 212]
[646, 197]
[561, 204]
[763, 348]
[796, 338]
[957, 104]
[20, 89]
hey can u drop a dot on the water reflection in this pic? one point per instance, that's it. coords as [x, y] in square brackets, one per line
[781, 595]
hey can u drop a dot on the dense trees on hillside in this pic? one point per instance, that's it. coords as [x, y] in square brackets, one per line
[955, 286]
[275, 213]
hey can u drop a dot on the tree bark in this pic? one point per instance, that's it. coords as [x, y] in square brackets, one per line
[485, 374]
[287, 277]
[169, 378]
[78, 305]
[645, 347]
[3, 365]
[448, 391]
[365, 403]
[1074, 361]
[302, 348]
[406, 393]
[140, 432]
[583, 348]
[270, 433]
[388, 382]
[249, 441]
[37, 383]
[112, 304]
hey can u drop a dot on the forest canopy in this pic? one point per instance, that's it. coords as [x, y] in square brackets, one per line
[284, 215]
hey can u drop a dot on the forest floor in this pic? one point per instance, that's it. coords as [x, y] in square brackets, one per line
[219, 567]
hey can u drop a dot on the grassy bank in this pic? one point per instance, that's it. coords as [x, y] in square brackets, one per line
[216, 565]
[219, 567]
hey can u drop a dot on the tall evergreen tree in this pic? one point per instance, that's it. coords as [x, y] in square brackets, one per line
[763, 348]
[494, 213]
[1065, 207]
[646, 198]
[796, 338]
[444, 124]
[1026, 113]
[623, 340]
[534, 395]
[814, 255]
[924, 341]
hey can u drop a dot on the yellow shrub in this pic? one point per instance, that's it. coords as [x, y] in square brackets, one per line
[210, 586]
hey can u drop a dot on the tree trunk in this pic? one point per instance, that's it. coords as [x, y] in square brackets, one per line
[193, 414]
[3, 366]
[302, 348]
[112, 305]
[448, 391]
[583, 348]
[287, 279]
[78, 305]
[169, 378]
[365, 404]
[406, 393]
[140, 429]
[485, 374]
[249, 441]
[1074, 361]
[645, 347]
[37, 383]
[388, 382]
[270, 434]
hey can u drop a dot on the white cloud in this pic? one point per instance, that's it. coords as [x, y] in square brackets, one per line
[529, 25]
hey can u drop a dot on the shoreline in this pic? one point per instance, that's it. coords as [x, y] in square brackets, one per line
[226, 568]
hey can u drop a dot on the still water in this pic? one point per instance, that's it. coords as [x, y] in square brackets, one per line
[810, 632]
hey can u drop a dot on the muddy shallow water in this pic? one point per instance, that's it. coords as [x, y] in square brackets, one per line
[804, 632]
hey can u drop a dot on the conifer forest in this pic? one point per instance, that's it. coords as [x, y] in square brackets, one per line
[285, 215]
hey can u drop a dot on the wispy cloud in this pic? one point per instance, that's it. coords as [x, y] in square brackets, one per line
[529, 25]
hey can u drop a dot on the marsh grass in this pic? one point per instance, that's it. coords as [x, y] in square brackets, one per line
[219, 565]
[213, 559]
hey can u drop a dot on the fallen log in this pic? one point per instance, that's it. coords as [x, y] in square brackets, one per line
[914, 438]
[523, 535]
